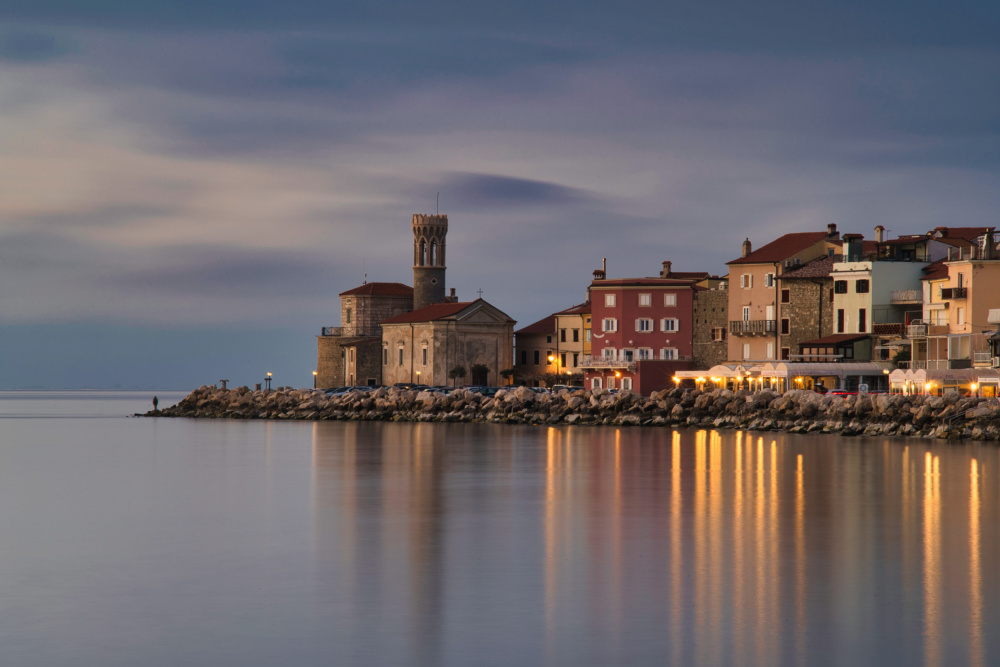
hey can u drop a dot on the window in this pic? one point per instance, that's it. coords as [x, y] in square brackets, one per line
[626, 383]
[524, 357]
[645, 299]
[669, 324]
[669, 299]
[401, 355]
[769, 354]
[768, 280]
[536, 357]
[424, 354]
[611, 383]
[609, 300]
[786, 326]
[840, 286]
[385, 356]
[350, 355]
[786, 296]
[644, 353]
[595, 383]
[609, 324]
[548, 339]
[576, 335]
[644, 324]
[718, 334]
[840, 320]
[746, 280]
[576, 359]
[668, 353]
[960, 315]
[746, 350]
[784, 353]
[586, 335]
[562, 359]
[862, 321]
[562, 335]
[861, 286]
[608, 353]
[746, 313]
[347, 316]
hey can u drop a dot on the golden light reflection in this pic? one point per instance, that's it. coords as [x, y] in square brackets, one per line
[932, 562]
[677, 614]
[975, 571]
[700, 540]
[800, 563]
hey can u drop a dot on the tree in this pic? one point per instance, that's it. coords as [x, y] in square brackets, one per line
[456, 372]
[508, 375]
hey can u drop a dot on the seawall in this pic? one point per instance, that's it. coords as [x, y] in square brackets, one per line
[799, 411]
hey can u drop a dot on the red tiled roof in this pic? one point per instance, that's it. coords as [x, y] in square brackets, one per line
[834, 339]
[781, 248]
[380, 289]
[964, 233]
[935, 271]
[437, 311]
[818, 268]
[544, 325]
[647, 282]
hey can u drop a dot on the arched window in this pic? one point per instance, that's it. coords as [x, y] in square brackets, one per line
[434, 248]
[423, 253]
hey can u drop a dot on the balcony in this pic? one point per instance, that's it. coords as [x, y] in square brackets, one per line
[982, 360]
[916, 331]
[601, 362]
[752, 327]
[954, 292]
[353, 332]
[906, 296]
[888, 329]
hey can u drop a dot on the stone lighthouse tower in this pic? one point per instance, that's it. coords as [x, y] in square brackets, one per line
[429, 233]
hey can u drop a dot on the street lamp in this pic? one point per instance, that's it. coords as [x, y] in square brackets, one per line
[268, 381]
[315, 377]
[418, 377]
[973, 387]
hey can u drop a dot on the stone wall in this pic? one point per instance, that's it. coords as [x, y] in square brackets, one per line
[798, 411]
[808, 311]
[710, 312]
[329, 362]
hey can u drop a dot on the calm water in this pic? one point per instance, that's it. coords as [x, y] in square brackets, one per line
[176, 542]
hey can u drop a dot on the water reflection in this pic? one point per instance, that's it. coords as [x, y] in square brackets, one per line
[441, 544]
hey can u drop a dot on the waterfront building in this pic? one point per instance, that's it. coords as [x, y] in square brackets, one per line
[711, 315]
[533, 346]
[754, 290]
[424, 329]
[642, 330]
[553, 346]
[424, 345]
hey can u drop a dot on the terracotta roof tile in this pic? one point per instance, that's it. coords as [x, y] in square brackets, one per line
[581, 309]
[781, 248]
[380, 289]
[544, 325]
[430, 313]
[935, 271]
[818, 268]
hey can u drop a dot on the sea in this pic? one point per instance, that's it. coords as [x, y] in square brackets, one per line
[156, 541]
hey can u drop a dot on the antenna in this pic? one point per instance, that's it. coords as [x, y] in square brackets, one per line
[437, 204]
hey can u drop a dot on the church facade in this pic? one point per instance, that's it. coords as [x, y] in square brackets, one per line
[392, 333]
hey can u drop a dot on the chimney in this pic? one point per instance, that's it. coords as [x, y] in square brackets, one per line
[453, 297]
[880, 233]
[988, 243]
[747, 248]
[665, 272]
[831, 230]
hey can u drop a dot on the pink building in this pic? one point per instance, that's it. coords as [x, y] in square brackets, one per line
[641, 331]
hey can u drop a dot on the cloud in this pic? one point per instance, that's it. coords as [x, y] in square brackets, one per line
[32, 46]
[488, 190]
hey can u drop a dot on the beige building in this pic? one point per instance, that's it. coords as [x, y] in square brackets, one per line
[423, 346]
[554, 345]
[754, 290]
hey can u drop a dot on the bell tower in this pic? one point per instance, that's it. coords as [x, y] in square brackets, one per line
[429, 233]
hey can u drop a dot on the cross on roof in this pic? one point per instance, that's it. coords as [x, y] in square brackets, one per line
[480, 291]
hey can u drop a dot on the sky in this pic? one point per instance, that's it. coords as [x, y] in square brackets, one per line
[186, 186]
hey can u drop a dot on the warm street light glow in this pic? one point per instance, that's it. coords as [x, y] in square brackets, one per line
[551, 359]
[928, 386]
[676, 379]
[618, 374]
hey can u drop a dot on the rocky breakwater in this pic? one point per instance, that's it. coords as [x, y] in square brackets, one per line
[950, 416]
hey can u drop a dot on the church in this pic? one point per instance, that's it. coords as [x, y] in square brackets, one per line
[392, 333]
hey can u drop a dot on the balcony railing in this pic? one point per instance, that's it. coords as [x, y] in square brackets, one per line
[601, 362]
[906, 296]
[982, 359]
[353, 332]
[916, 331]
[954, 292]
[888, 329]
[752, 327]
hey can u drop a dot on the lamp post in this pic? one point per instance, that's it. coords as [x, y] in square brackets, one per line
[974, 387]
[315, 378]
[267, 380]
[418, 377]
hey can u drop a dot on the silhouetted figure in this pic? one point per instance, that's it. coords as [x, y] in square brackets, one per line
[156, 402]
